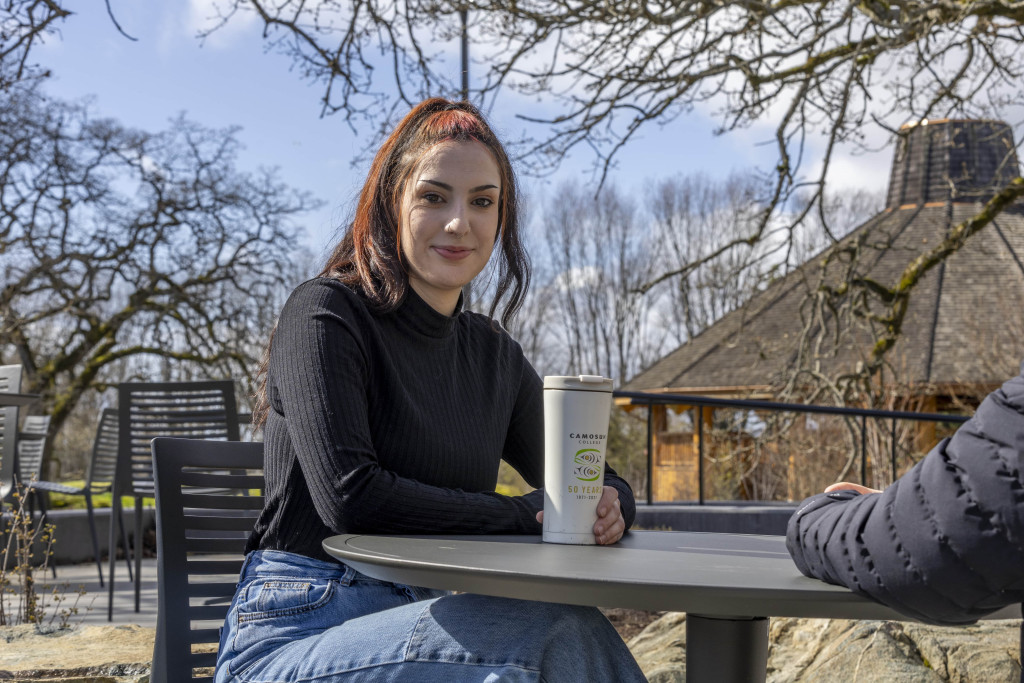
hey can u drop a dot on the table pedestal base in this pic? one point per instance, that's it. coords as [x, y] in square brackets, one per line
[722, 650]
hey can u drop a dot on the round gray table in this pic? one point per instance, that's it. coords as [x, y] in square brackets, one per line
[728, 584]
[8, 399]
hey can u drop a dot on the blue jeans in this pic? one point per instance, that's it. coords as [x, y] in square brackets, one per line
[295, 618]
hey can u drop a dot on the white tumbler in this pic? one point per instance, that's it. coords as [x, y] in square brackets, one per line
[576, 413]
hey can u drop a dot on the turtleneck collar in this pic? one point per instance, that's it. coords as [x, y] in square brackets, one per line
[423, 319]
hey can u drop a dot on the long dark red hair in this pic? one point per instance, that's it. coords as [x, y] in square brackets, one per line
[369, 256]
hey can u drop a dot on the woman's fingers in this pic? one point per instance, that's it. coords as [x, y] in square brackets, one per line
[612, 532]
[609, 526]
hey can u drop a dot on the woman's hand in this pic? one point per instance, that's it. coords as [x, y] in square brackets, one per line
[609, 526]
[845, 485]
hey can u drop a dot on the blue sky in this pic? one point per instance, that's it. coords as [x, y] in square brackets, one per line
[231, 80]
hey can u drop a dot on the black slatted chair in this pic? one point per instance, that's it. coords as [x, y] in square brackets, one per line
[10, 382]
[204, 513]
[31, 449]
[98, 479]
[188, 410]
[246, 429]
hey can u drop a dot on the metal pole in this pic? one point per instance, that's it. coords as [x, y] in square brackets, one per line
[465, 56]
[892, 452]
[467, 290]
[863, 450]
[650, 453]
[700, 454]
[726, 650]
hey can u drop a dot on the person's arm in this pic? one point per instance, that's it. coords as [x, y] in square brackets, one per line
[320, 367]
[944, 543]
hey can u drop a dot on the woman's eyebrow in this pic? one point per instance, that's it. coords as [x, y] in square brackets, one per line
[448, 187]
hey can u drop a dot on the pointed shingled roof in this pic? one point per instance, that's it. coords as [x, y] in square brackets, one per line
[965, 320]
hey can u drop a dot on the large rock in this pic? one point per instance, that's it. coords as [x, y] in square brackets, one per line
[804, 650]
[660, 649]
[86, 654]
[807, 649]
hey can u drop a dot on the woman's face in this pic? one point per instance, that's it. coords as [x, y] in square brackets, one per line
[449, 220]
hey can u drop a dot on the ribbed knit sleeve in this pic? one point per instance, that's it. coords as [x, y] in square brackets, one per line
[944, 543]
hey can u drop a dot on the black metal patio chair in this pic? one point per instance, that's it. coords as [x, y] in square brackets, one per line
[10, 382]
[99, 479]
[196, 410]
[31, 449]
[205, 509]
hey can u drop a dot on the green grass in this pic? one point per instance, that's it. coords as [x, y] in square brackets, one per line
[60, 501]
[509, 490]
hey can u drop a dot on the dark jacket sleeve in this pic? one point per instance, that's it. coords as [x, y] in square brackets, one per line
[944, 543]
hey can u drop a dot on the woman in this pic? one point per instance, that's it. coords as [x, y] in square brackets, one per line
[386, 409]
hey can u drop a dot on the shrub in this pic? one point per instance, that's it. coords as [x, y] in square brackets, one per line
[27, 547]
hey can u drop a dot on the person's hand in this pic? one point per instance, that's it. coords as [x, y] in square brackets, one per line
[848, 486]
[609, 526]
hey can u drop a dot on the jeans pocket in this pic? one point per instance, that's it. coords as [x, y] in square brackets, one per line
[271, 598]
[272, 611]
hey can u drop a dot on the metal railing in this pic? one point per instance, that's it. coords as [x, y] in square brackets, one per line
[649, 400]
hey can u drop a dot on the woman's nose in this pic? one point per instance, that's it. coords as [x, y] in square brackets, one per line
[457, 223]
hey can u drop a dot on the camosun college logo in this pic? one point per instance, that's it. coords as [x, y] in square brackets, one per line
[588, 464]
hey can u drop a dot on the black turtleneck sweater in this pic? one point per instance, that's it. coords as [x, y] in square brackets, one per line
[396, 423]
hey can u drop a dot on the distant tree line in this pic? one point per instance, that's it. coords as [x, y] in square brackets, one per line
[592, 307]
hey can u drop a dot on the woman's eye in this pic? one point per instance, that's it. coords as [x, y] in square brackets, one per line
[483, 202]
[433, 198]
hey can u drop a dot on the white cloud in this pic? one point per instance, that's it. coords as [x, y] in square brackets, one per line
[149, 165]
[204, 15]
[863, 171]
[578, 278]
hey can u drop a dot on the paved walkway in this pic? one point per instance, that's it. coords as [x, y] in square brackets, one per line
[95, 598]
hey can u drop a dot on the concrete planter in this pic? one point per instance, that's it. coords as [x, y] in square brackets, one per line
[73, 544]
[731, 518]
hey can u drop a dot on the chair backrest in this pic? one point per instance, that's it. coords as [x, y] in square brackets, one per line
[246, 428]
[31, 447]
[10, 379]
[103, 462]
[10, 382]
[202, 525]
[187, 410]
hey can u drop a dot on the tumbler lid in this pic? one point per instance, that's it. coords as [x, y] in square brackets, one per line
[578, 382]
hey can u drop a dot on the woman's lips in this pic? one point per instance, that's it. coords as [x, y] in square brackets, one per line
[453, 253]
